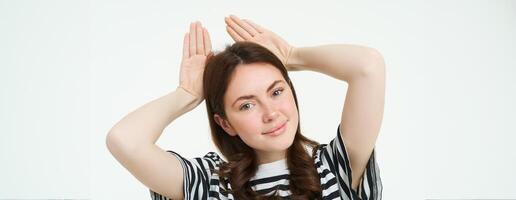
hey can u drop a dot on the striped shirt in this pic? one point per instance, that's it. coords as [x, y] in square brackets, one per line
[331, 161]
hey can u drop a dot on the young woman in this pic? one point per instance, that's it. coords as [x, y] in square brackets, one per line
[253, 114]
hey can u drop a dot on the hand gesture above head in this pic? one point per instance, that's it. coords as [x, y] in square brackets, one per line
[246, 30]
[196, 49]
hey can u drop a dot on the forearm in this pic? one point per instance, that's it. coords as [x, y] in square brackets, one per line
[145, 125]
[341, 61]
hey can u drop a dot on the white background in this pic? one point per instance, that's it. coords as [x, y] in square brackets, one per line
[71, 69]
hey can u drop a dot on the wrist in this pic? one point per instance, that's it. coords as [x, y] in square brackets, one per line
[294, 61]
[188, 96]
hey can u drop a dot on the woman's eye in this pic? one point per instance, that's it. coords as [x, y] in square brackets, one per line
[246, 106]
[278, 91]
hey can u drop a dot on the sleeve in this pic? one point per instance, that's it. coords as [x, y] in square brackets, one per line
[196, 176]
[337, 158]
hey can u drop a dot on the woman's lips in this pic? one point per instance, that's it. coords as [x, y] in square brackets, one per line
[277, 130]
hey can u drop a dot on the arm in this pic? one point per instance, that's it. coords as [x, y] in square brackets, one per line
[132, 140]
[363, 68]
[341, 61]
[145, 125]
[364, 71]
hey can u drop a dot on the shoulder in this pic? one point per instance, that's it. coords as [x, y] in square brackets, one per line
[214, 159]
[209, 161]
[335, 149]
[332, 156]
[210, 156]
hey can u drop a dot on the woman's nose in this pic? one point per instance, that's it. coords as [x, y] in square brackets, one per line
[270, 113]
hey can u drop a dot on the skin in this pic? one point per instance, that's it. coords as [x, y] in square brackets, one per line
[361, 67]
[132, 140]
[250, 118]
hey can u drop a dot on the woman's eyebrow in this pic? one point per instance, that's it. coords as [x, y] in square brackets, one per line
[252, 96]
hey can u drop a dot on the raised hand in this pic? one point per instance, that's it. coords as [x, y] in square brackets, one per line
[246, 30]
[196, 49]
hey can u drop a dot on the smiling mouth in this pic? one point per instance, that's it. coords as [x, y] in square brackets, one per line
[280, 127]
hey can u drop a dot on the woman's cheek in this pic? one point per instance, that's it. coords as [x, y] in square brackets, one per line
[251, 124]
[289, 106]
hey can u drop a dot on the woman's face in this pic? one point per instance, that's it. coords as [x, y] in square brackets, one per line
[259, 100]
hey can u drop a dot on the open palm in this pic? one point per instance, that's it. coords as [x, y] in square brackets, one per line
[246, 30]
[196, 49]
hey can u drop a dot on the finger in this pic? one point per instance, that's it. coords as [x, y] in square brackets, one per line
[186, 47]
[238, 29]
[247, 27]
[192, 43]
[199, 42]
[258, 28]
[233, 34]
[207, 42]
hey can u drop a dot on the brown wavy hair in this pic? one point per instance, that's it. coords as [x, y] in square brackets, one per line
[242, 162]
